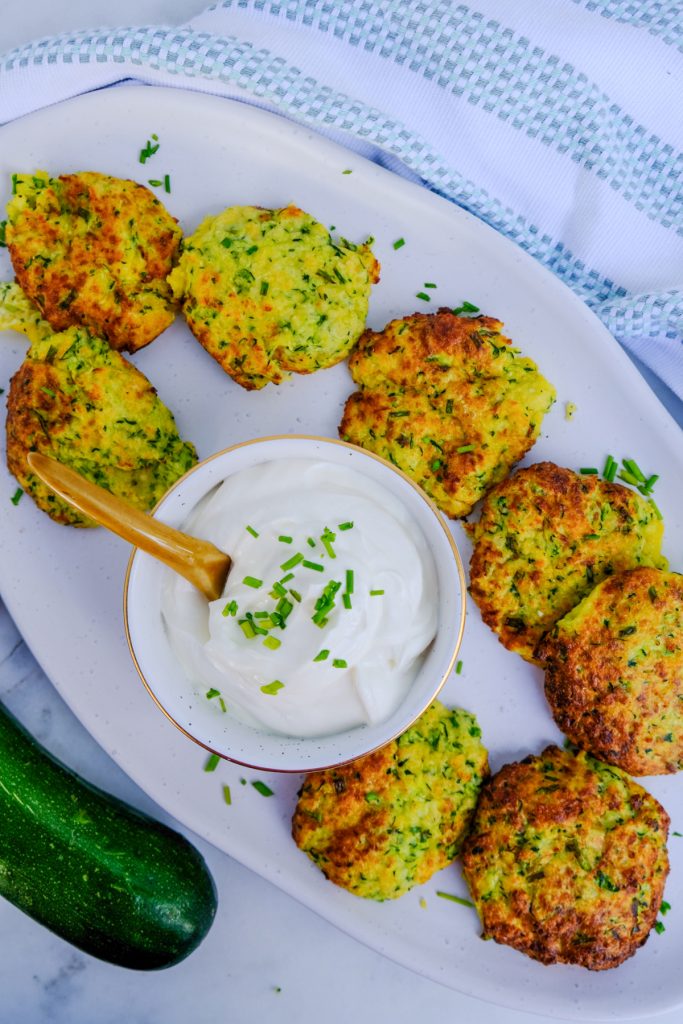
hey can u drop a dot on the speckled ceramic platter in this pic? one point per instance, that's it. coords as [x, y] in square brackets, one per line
[64, 586]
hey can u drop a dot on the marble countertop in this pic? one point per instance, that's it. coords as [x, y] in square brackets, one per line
[266, 957]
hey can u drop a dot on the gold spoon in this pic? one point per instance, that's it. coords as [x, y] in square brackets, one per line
[199, 561]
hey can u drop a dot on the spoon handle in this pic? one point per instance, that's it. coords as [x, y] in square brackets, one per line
[199, 561]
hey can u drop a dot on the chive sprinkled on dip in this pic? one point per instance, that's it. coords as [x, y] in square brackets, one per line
[307, 646]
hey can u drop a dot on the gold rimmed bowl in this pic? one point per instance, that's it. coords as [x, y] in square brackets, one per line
[184, 701]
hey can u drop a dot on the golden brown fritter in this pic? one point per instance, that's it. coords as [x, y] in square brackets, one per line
[447, 400]
[566, 860]
[270, 292]
[614, 671]
[78, 400]
[545, 538]
[94, 251]
[388, 821]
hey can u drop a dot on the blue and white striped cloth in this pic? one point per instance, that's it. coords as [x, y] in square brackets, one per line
[558, 122]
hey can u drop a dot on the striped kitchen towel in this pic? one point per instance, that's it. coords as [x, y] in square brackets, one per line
[558, 122]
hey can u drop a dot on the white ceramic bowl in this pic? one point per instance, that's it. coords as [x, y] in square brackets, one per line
[184, 702]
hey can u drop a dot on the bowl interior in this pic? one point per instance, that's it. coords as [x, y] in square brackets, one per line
[184, 702]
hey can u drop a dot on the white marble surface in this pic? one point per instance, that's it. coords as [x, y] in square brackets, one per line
[266, 957]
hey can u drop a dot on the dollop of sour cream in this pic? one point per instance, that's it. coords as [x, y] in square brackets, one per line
[329, 606]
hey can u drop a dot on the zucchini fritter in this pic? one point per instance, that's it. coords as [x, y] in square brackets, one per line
[94, 251]
[78, 400]
[388, 821]
[268, 292]
[448, 401]
[614, 671]
[545, 538]
[566, 860]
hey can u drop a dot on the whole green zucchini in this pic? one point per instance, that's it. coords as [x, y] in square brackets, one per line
[104, 876]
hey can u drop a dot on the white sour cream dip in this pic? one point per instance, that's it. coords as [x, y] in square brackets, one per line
[375, 637]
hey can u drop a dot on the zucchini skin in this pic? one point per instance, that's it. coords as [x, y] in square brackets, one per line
[104, 876]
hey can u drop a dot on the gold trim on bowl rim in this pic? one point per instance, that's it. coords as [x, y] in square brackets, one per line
[442, 523]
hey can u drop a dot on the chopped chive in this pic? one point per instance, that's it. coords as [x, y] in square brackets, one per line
[436, 465]
[376, 593]
[627, 477]
[464, 448]
[466, 307]
[48, 392]
[264, 287]
[16, 497]
[261, 788]
[210, 694]
[247, 629]
[310, 542]
[664, 908]
[148, 150]
[651, 481]
[429, 284]
[349, 581]
[211, 763]
[399, 243]
[659, 927]
[423, 296]
[252, 531]
[272, 688]
[272, 643]
[222, 705]
[588, 471]
[652, 502]
[284, 539]
[287, 578]
[634, 469]
[278, 591]
[296, 595]
[346, 600]
[454, 899]
[611, 470]
[291, 562]
[230, 608]
[347, 172]
[345, 526]
[458, 668]
[313, 565]
[167, 183]
[339, 663]
[322, 655]
[284, 608]
[252, 581]
[326, 539]
[227, 795]
[154, 182]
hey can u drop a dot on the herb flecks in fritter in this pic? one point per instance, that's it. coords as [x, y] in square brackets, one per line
[546, 536]
[614, 671]
[94, 251]
[447, 400]
[390, 820]
[270, 292]
[78, 400]
[566, 860]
